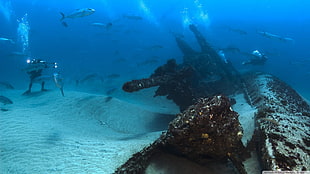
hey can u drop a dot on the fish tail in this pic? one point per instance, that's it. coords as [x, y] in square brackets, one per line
[62, 16]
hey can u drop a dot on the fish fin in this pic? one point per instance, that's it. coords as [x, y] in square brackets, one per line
[62, 16]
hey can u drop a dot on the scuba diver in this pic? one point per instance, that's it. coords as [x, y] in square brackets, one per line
[34, 69]
[257, 58]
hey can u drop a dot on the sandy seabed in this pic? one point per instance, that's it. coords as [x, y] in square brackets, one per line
[87, 133]
[79, 133]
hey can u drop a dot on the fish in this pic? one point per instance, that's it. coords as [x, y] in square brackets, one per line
[78, 13]
[6, 85]
[273, 36]
[3, 109]
[102, 25]
[288, 39]
[5, 100]
[6, 39]
[58, 80]
[63, 23]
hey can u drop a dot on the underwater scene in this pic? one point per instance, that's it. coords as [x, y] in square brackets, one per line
[154, 86]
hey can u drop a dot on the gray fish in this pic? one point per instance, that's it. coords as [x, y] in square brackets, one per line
[3, 109]
[64, 24]
[5, 100]
[78, 13]
[102, 25]
[276, 37]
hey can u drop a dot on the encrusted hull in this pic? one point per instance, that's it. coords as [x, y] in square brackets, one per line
[283, 123]
[207, 130]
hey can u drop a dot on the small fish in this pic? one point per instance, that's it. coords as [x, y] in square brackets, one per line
[288, 39]
[102, 25]
[273, 36]
[78, 13]
[5, 100]
[6, 85]
[6, 39]
[64, 24]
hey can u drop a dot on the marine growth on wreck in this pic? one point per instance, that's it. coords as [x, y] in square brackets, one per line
[209, 129]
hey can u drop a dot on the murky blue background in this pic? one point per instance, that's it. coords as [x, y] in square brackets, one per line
[134, 48]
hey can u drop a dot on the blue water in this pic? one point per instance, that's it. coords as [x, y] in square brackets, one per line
[126, 47]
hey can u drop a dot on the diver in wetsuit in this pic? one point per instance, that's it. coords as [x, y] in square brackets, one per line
[34, 70]
[257, 58]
